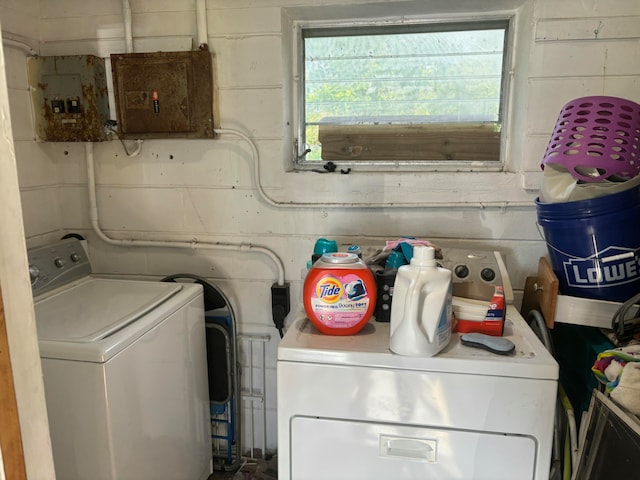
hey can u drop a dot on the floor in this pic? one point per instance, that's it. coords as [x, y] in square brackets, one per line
[251, 469]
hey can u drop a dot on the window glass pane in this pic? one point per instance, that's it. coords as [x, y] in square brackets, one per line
[401, 78]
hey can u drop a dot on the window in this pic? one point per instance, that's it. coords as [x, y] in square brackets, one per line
[428, 94]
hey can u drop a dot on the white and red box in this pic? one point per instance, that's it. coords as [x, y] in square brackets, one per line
[479, 309]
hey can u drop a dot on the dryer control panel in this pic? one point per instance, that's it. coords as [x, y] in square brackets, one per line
[476, 269]
[52, 266]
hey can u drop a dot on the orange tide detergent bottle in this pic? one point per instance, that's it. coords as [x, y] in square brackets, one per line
[339, 294]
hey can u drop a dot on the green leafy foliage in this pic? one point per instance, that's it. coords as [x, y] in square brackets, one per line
[402, 78]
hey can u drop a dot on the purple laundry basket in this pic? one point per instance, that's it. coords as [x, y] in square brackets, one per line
[596, 138]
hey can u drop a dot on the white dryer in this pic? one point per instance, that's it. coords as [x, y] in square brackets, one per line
[124, 366]
[349, 409]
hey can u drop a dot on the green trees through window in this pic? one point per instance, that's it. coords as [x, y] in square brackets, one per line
[402, 75]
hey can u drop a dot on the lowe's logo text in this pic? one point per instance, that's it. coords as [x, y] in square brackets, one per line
[613, 266]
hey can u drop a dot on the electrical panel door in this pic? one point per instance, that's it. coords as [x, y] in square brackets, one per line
[70, 98]
[164, 94]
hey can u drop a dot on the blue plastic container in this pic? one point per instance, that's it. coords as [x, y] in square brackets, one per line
[594, 245]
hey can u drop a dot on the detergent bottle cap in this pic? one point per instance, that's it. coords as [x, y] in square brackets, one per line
[340, 258]
[395, 260]
[423, 256]
[324, 245]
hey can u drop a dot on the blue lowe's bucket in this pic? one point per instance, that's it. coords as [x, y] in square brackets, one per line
[594, 245]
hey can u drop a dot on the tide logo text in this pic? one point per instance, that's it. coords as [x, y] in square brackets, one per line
[329, 290]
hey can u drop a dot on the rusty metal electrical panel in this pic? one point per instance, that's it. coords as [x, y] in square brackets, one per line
[70, 98]
[164, 94]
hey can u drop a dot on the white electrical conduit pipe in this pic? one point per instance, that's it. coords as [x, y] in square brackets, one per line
[128, 47]
[128, 33]
[95, 224]
[275, 203]
[9, 42]
[201, 22]
[93, 204]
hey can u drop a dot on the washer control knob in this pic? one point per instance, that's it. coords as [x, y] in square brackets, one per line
[34, 273]
[75, 258]
[58, 262]
[487, 274]
[461, 271]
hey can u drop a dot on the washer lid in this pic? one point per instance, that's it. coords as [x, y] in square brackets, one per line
[94, 308]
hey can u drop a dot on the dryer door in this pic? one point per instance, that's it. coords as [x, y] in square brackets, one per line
[370, 451]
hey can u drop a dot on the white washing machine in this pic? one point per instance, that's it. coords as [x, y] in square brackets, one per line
[350, 409]
[125, 375]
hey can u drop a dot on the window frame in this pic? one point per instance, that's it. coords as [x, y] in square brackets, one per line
[344, 27]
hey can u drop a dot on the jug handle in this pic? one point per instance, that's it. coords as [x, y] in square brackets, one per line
[411, 302]
[429, 314]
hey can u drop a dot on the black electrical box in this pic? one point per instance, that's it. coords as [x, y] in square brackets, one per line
[164, 94]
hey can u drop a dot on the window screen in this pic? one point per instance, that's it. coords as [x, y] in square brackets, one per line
[402, 93]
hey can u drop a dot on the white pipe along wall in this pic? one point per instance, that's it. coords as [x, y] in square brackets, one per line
[128, 32]
[201, 22]
[194, 244]
[202, 32]
[330, 205]
[9, 42]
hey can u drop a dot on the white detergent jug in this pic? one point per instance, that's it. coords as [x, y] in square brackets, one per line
[421, 311]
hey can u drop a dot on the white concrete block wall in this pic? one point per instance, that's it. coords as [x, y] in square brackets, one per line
[205, 189]
[20, 18]
[579, 48]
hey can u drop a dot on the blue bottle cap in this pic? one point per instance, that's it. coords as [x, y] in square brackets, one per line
[323, 246]
[395, 260]
[355, 249]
